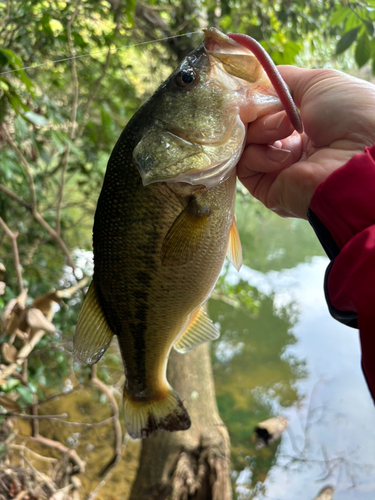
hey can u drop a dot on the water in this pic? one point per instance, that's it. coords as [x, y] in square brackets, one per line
[293, 359]
[282, 354]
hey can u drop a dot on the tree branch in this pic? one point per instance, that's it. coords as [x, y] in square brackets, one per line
[12, 195]
[16, 257]
[116, 421]
[34, 204]
[56, 445]
[73, 118]
[98, 83]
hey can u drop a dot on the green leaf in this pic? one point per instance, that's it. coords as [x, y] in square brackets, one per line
[14, 61]
[21, 128]
[36, 119]
[25, 393]
[3, 108]
[346, 41]
[26, 80]
[353, 21]
[369, 27]
[339, 16]
[363, 50]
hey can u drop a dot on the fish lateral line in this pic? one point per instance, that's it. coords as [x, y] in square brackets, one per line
[274, 76]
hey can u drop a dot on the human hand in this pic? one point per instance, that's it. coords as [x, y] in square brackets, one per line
[282, 168]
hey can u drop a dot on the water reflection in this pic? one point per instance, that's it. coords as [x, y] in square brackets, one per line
[251, 373]
[279, 353]
[292, 359]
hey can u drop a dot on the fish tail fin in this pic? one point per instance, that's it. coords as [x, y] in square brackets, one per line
[165, 412]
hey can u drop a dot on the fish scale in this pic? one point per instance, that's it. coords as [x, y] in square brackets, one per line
[164, 223]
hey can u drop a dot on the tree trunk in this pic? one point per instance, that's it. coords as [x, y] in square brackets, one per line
[191, 464]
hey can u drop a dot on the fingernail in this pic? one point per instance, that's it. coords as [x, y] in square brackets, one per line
[276, 154]
[273, 122]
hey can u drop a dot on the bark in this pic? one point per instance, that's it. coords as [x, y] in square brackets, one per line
[192, 464]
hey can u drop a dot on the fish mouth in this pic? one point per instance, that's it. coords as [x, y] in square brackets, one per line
[236, 60]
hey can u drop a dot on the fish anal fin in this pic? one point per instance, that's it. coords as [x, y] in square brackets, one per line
[93, 334]
[200, 329]
[185, 235]
[234, 250]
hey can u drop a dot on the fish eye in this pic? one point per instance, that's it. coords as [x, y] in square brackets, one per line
[186, 77]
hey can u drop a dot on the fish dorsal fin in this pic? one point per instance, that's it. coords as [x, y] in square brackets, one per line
[185, 235]
[93, 334]
[234, 251]
[200, 329]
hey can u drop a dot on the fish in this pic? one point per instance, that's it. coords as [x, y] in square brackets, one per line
[165, 221]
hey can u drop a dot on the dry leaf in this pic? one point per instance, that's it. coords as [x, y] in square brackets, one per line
[45, 303]
[37, 321]
[2, 287]
[9, 404]
[2, 270]
[21, 299]
[9, 352]
[12, 324]
[20, 334]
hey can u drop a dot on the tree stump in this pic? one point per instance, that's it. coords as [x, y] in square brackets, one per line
[192, 464]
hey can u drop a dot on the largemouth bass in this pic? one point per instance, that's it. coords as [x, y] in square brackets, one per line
[165, 221]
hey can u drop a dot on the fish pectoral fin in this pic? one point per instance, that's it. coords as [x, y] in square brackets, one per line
[234, 251]
[200, 329]
[185, 235]
[93, 334]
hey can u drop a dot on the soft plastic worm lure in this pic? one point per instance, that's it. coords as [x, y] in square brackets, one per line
[274, 76]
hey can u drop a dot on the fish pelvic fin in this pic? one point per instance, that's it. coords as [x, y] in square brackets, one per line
[143, 418]
[93, 335]
[199, 330]
[234, 250]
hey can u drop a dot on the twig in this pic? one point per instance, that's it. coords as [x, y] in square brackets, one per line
[116, 421]
[23, 354]
[42, 477]
[12, 195]
[34, 206]
[38, 334]
[56, 445]
[97, 84]
[22, 447]
[74, 72]
[73, 118]
[23, 493]
[16, 257]
[109, 472]
[37, 417]
[34, 413]
[57, 418]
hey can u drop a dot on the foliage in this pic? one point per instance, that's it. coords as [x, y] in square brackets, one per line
[71, 76]
[356, 23]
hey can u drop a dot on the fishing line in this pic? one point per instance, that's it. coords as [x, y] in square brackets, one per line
[115, 49]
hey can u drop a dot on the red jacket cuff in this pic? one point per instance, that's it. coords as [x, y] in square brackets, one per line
[343, 202]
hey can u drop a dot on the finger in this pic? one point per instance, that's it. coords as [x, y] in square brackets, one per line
[268, 129]
[300, 80]
[267, 159]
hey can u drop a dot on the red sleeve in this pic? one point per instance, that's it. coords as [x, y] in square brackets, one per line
[342, 212]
